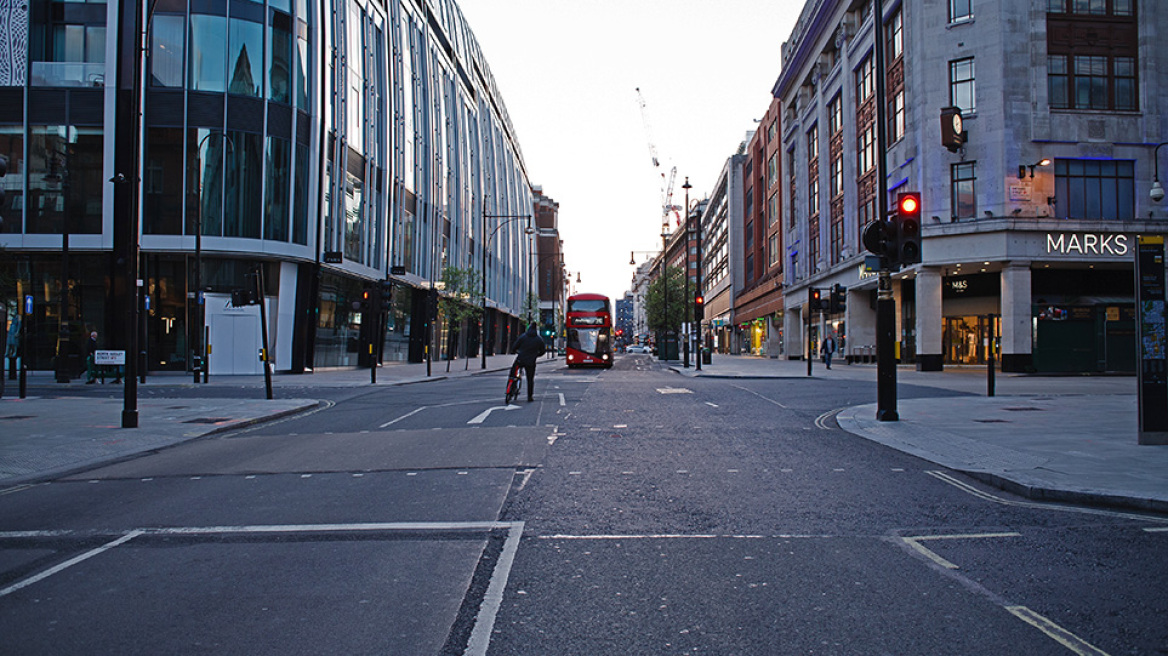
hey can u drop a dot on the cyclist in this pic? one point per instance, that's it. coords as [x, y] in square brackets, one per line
[527, 350]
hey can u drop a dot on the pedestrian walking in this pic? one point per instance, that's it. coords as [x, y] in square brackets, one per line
[527, 350]
[827, 349]
[90, 359]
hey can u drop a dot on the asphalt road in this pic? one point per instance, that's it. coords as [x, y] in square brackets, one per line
[629, 511]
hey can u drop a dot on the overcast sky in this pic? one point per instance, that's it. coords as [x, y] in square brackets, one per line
[568, 71]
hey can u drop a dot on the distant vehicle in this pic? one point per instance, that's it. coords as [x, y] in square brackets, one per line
[636, 348]
[589, 326]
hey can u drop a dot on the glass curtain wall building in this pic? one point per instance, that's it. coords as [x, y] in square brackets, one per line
[334, 144]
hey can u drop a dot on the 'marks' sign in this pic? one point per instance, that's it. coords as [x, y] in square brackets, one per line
[1087, 244]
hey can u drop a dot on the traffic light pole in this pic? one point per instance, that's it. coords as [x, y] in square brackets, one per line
[885, 304]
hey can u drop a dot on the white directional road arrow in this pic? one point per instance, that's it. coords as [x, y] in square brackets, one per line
[481, 417]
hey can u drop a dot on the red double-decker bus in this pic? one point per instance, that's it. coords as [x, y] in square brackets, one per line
[589, 326]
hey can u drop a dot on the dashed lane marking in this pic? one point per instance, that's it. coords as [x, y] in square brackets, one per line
[674, 390]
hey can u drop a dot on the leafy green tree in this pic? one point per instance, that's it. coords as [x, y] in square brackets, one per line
[669, 286]
[458, 302]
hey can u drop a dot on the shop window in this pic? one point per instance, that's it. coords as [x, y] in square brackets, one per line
[1094, 189]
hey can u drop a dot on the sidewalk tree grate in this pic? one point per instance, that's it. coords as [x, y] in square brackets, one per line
[207, 420]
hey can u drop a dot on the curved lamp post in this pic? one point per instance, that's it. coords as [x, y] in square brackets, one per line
[510, 218]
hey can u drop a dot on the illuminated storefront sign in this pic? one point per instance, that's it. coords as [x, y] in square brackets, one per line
[1087, 244]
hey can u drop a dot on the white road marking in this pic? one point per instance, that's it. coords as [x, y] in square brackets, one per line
[1060, 635]
[482, 416]
[408, 414]
[915, 543]
[1158, 529]
[562, 401]
[965, 487]
[480, 636]
[69, 563]
[712, 405]
[674, 390]
[760, 396]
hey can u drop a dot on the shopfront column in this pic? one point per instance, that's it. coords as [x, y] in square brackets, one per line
[930, 354]
[1016, 301]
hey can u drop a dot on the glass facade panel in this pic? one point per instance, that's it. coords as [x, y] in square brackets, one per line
[300, 199]
[162, 182]
[65, 181]
[277, 189]
[207, 65]
[245, 58]
[205, 150]
[280, 64]
[354, 216]
[12, 147]
[301, 78]
[168, 38]
[244, 198]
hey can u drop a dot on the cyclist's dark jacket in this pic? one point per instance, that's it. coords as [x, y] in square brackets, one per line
[529, 347]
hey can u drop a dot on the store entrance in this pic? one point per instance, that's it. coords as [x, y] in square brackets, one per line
[964, 339]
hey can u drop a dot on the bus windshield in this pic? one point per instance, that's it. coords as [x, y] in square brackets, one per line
[587, 305]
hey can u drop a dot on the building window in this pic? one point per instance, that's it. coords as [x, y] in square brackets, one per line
[835, 115]
[866, 149]
[791, 187]
[813, 196]
[961, 85]
[894, 31]
[167, 37]
[960, 10]
[1094, 189]
[773, 209]
[1092, 7]
[963, 177]
[865, 85]
[866, 214]
[773, 250]
[813, 244]
[896, 124]
[812, 143]
[773, 170]
[837, 175]
[207, 65]
[245, 58]
[1099, 73]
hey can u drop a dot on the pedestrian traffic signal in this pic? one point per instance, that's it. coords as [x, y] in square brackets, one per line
[908, 228]
[839, 299]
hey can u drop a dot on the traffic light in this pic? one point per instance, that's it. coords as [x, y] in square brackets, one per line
[386, 294]
[839, 299]
[815, 299]
[908, 228]
[699, 307]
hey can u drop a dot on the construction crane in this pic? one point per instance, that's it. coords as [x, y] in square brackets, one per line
[667, 205]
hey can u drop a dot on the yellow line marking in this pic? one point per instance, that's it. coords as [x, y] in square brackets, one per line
[1058, 633]
[915, 543]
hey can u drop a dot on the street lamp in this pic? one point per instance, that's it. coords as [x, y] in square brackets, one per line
[1157, 193]
[199, 319]
[510, 218]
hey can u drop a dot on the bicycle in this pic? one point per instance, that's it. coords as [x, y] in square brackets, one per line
[514, 384]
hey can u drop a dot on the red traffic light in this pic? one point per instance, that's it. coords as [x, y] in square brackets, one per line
[699, 299]
[910, 203]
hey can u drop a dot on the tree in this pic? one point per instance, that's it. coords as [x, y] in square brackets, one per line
[655, 300]
[458, 302]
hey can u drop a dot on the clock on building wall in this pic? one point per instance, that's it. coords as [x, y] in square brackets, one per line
[952, 129]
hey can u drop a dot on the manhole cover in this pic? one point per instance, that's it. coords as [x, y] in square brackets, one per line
[991, 421]
[17, 417]
[207, 420]
[1023, 408]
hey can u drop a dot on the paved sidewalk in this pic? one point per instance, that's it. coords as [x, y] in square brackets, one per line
[50, 433]
[1067, 438]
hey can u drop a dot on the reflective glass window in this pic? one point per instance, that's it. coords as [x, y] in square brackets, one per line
[245, 58]
[300, 200]
[207, 65]
[301, 77]
[167, 38]
[162, 182]
[277, 186]
[205, 149]
[280, 61]
[12, 147]
[245, 187]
